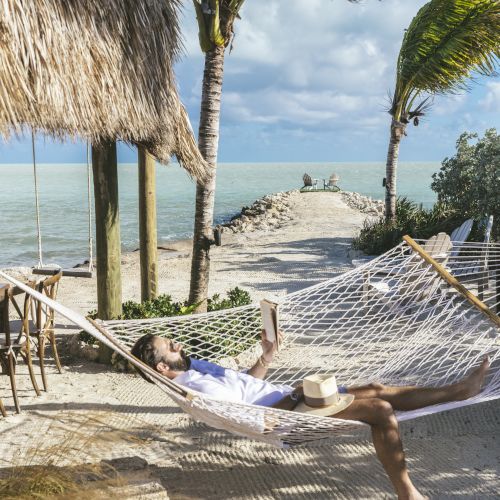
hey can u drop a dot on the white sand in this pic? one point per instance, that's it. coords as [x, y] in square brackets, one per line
[451, 455]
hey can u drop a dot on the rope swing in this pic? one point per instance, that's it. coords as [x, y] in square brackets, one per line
[51, 270]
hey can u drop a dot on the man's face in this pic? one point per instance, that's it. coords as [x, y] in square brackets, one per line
[171, 353]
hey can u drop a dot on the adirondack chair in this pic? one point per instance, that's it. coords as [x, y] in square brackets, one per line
[309, 182]
[456, 264]
[473, 272]
[331, 185]
[459, 235]
[394, 283]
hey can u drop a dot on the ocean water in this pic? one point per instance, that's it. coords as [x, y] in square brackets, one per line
[63, 200]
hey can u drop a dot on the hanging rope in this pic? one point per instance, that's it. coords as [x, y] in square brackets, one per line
[37, 204]
[89, 203]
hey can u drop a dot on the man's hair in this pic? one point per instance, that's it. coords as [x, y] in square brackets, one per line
[145, 350]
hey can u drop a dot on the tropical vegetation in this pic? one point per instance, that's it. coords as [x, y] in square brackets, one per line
[164, 306]
[469, 181]
[378, 236]
[445, 43]
[467, 186]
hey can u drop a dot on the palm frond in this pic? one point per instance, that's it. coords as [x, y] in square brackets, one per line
[447, 41]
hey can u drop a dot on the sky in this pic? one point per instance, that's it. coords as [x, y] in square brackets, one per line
[308, 82]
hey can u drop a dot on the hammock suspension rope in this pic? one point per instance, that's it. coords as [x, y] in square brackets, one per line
[74, 272]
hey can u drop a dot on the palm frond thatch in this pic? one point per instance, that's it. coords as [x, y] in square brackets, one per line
[446, 42]
[98, 69]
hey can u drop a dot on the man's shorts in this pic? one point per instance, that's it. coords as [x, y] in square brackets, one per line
[342, 389]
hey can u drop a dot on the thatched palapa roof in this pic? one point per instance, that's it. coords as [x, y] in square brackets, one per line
[99, 69]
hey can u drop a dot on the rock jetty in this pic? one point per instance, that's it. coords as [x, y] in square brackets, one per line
[364, 204]
[266, 213]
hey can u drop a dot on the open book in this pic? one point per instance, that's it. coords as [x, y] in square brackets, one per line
[270, 320]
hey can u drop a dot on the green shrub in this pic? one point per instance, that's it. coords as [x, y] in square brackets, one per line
[378, 236]
[163, 307]
[236, 297]
[469, 182]
[467, 185]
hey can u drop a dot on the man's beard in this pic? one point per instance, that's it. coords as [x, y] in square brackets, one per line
[182, 364]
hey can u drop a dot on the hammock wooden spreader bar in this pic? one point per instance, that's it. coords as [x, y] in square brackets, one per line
[451, 280]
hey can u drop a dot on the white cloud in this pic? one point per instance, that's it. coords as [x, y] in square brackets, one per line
[310, 62]
[312, 66]
[447, 105]
[491, 101]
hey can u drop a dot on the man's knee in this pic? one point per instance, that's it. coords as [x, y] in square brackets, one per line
[383, 411]
[376, 388]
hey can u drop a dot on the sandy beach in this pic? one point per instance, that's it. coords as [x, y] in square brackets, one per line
[94, 414]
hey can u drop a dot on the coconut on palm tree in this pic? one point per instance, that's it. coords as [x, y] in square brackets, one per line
[445, 43]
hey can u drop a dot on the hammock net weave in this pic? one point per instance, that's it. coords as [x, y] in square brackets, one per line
[394, 320]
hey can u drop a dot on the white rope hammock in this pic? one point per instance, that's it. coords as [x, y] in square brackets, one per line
[414, 330]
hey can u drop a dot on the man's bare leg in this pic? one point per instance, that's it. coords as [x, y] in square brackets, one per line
[385, 433]
[411, 398]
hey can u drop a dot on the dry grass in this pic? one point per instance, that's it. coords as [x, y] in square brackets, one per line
[71, 468]
[99, 69]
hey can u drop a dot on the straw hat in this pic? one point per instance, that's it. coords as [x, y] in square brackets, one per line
[321, 396]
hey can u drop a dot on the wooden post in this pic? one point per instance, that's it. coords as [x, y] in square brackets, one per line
[108, 244]
[147, 225]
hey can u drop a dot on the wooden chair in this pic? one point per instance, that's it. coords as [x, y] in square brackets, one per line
[309, 183]
[460, 235]
[42, 324]
[476, 271]
[394, 283]
[331, 185]
[10, 349]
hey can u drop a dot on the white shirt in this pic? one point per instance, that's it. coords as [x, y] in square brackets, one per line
[231, 385]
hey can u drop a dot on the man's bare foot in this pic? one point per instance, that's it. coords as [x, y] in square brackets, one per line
[472, 384]
[413, 494]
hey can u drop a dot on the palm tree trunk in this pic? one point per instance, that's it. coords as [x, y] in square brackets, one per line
[397, 132]
[208, 141]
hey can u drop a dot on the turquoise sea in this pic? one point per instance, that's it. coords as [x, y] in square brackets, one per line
[63, 200]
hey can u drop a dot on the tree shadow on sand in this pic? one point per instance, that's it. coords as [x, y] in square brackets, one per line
[293, 265]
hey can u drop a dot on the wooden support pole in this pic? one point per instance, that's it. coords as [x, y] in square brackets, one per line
[108, 243]
[147, 225]
[451, 280]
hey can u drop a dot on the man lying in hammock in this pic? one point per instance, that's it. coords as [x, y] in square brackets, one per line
[373, 404]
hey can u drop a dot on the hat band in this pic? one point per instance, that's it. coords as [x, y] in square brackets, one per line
[320, 402]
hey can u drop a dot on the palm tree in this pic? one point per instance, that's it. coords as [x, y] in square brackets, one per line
[446, 41]
[215, 23]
